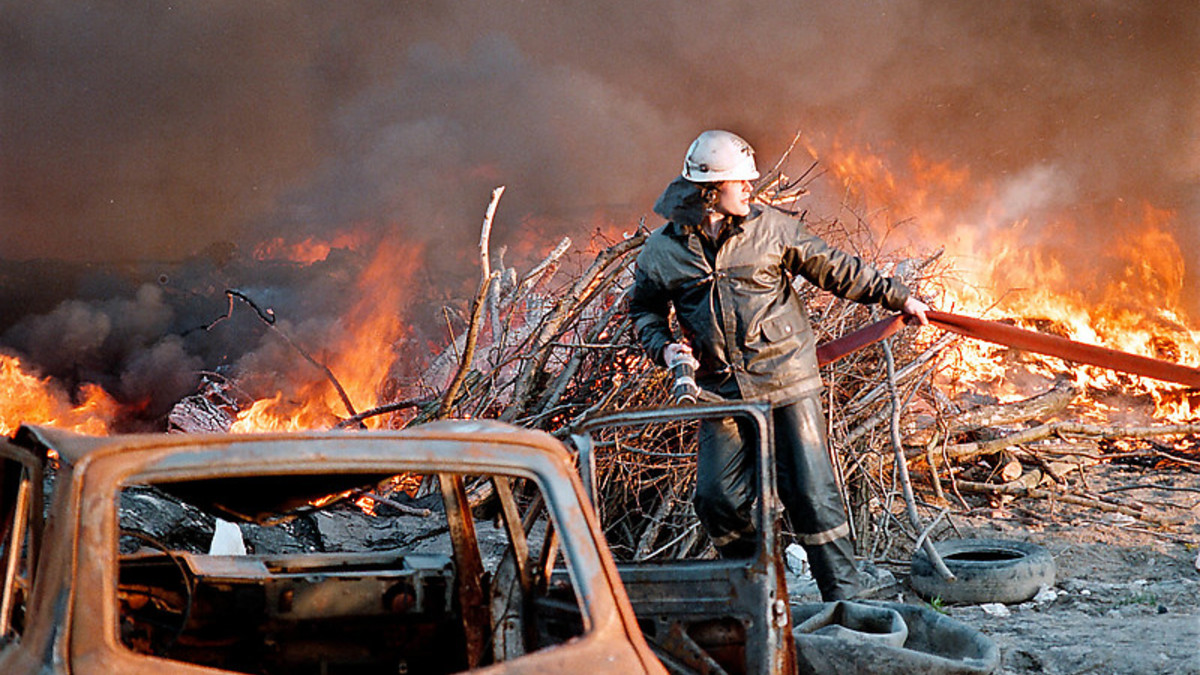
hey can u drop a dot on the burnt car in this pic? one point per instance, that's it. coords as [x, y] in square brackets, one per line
[706, 614]
[87, 589]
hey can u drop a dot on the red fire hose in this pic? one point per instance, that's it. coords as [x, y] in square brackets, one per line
[1010, 336]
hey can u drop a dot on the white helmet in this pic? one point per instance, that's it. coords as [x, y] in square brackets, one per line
[718, 156]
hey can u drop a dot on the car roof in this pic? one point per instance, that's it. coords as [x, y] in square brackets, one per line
[242, 490]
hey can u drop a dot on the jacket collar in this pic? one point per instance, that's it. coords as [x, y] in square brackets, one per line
[679, 203]
[682, 228]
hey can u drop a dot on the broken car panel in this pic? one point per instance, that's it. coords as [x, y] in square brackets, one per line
[716, 615]
[733, 615]
[105, 597]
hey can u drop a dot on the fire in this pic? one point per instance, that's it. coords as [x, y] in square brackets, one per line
[359, 356]
[359, 351]
[1020, 253]
[310, 250]
[277, 414]
[29, 399]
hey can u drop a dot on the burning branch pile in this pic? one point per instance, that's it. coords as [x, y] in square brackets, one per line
[548, 347]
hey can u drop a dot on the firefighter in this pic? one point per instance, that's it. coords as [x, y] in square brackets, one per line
[726, 266]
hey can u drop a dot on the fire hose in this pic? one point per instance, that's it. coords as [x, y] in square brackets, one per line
[685, 389]
[1017, 338]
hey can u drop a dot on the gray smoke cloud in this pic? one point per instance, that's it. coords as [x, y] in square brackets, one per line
[152, 131]
[149, 132]
[123, 344]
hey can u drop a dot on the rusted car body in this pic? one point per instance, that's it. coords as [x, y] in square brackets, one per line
[75, 600]
[715, 615]
[734, 616]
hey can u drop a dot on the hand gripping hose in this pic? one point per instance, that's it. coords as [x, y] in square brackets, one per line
[1017, 338]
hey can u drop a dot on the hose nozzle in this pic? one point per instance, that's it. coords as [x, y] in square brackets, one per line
[683, 369]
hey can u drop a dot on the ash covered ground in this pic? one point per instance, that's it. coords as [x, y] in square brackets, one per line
[1127, 597]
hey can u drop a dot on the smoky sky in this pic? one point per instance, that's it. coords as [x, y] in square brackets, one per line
[151, 129]
[135, 131]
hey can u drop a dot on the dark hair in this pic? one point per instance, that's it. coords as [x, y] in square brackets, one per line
[703, 197]
[710, 194]
[686, 202]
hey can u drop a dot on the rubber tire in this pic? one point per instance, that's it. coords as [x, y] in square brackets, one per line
[987, 570]
[936, 645]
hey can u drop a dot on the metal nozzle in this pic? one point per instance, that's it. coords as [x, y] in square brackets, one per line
[683, 369]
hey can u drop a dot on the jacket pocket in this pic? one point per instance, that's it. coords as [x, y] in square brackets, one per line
[778, 328]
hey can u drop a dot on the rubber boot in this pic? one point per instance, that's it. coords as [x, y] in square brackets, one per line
[834, 569]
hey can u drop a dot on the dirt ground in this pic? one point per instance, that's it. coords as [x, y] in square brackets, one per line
[1128, 593]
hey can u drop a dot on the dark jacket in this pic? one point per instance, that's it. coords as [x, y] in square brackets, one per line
[741, 315]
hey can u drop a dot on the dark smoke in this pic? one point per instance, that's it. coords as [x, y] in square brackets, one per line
[151, 130]
[118, 343]
[156, 131]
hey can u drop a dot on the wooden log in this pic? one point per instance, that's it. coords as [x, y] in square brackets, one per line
[965, 451]
[402, 508]
[267, 315]
[559, 387]
[394, 406]
[1041, 406]
[902, 468]
[1026, 486]
[902, 374]
[536, 274]
[657, 520]
[580, 291]
[197, 414]
[1011, 470]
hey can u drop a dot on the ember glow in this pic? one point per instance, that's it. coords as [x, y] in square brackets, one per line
[1016, 253]
[311, 249]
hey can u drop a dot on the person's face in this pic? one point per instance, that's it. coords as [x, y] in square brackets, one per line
[733, 198]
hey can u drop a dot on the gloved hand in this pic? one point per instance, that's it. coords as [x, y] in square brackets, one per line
[683, 368]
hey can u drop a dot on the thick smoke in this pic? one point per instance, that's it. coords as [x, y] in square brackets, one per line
[136, 131]
[121, 344]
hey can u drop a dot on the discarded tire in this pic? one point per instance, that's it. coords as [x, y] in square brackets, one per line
[887, 638]
[856, 622]
[986, 570]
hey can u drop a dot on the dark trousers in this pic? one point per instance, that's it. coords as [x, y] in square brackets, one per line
[727, 485]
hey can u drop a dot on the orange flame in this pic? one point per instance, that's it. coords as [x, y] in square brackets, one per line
[360, 358]
[310, 250]
[29, 399]
[1078, 276]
